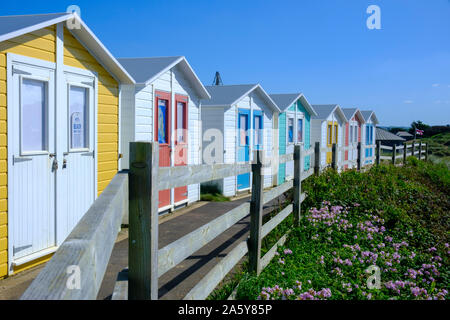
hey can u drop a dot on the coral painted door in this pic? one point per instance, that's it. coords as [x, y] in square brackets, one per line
[162, 135]
[181, 144]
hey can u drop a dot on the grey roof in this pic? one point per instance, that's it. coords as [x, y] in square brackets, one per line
[146, 70]
[386, 135]
[404, 134]
[15, 26]
[11, 24]
[285, 100]
[369, 113]
[324, 110]
[227, 95]
[349, 112]
[143, 69]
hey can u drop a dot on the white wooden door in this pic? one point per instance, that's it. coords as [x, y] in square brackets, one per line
[78, 158]
[31, 156]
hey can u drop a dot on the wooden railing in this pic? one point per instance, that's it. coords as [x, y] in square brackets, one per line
[77, 268]
[147, 263]
[397, 153]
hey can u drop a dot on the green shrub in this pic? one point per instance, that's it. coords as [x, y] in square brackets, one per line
[411, 204]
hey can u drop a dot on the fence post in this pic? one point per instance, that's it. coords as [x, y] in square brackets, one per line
[405, 152]
[297, 183]
[378, 152]
[317, 158]
[359, 162]
[143, 221]
[420, 150]
[394, 153]
[256, 212]
[426, 151]
[333, 156]
[413, 148]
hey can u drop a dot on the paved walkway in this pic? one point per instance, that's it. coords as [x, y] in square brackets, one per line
[177, 282]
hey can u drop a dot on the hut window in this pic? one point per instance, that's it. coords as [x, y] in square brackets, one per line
[78, 117]
[300, 130]
[243, 129]
[34, 130]
[162, 121]
[335, 134]
[330, 134]
[291, 130]
[351, 134]
[181, 122]
[258, 131]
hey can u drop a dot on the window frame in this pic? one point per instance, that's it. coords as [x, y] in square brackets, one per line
[290, 117]
[22, 152]
[89, 90]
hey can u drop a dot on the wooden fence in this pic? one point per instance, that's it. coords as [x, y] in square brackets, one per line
[399, 154]
[90, 244]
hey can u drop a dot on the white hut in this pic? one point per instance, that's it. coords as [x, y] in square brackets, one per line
[327, 128]
[241, 119]
[164, 106]
[368, 136]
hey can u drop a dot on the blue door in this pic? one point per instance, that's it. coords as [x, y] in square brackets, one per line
[243, 180]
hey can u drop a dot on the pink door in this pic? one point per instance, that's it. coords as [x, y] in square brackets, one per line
[162, 135]
[181, 138]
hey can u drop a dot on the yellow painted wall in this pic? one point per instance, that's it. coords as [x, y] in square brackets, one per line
[76, 55]
[41, 44]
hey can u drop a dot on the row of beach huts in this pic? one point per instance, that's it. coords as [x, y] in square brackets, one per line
[69, 109]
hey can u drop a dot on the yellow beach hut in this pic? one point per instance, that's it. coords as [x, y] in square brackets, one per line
[59, 131]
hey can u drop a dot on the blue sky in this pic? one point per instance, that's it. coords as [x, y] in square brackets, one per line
[321, 48]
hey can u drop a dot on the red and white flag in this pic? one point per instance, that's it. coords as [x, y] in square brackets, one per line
[419, 132]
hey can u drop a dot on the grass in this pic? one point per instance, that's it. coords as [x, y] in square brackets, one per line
[212, 193]
[395, 218]
[439, 148]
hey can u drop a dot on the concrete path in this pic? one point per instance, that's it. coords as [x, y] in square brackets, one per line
[177, 282]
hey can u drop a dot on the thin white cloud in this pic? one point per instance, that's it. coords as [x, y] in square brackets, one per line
[437, 101]
[435, 85]
[408, 101]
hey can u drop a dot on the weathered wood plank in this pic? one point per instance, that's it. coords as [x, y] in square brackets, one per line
[143, 217]
[385, 157]
[172, 177]
[177, 251]
[359, 157]
[275, 221]
[202, 289]
[317, 158]
[88, 247]
[385, 147]
[256, 213]
[277, 191]
[394, 154]
[286, 157]
[298, 166]
[120, 291]
[308, 152]
[307, 174]
[271, 253]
